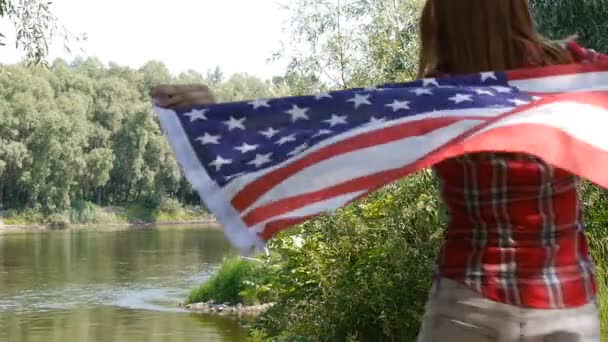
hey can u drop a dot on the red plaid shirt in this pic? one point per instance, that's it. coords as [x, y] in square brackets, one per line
[515, 233]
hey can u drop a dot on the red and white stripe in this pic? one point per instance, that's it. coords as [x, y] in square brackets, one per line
[566, 127]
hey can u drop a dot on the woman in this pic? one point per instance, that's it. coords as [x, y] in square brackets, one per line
[515, 265]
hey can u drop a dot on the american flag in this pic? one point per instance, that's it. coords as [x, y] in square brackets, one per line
[264, 165]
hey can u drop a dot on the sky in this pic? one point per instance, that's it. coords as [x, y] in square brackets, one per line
[237, 35]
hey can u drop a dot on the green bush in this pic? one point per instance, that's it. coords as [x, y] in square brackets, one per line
[362, 274]
[170, 206]
[26, 216]
[596, 217]
[58, 221]
[226, 285]
[84, 212]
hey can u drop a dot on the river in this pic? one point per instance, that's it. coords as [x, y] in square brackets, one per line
[102, 285]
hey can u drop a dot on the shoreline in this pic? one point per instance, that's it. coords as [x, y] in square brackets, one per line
[226, 309]
[5, 228]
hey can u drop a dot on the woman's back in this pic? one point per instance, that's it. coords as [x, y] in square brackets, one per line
[516, 231]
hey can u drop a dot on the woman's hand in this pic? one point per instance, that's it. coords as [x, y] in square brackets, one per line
[174, 96]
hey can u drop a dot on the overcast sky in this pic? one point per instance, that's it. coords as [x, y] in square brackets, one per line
[238, 35]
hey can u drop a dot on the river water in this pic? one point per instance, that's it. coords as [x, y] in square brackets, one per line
[109, 285]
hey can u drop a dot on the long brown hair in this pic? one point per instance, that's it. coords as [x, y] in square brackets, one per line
[466, 36]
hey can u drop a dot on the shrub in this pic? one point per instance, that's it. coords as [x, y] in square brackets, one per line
[362, 274]
[227, 283]
[58, 221]
[596, 217]
[25, 216]
[170, 206]
[84, 212]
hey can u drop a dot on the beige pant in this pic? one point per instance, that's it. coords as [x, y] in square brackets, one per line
[456, 313]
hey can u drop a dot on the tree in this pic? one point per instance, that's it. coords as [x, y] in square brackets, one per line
[562, 18]
[352, 43]
[36, 27]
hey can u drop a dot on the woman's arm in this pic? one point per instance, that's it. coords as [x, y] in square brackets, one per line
[583, 55]
[174, 96]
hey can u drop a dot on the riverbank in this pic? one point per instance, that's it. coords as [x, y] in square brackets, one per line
[225, 309]
[21, 227]
[88, 214]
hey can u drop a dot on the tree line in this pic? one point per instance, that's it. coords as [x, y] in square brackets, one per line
[82, 131]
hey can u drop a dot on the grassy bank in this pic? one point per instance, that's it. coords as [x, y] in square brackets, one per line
[87, 213]
[236, 281]
[364, 273]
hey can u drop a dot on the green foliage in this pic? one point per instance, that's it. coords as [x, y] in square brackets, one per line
[18, 217]
[84, 212]
[562, 18]
[227, 283]
[353, 43]
[58, 221]
[362, 274]
[83, 132]
[596, 217]
[35, 27]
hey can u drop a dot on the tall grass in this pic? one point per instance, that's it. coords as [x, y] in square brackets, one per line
[84, 212]
[596, 217]
[226, 285]
[603, 302]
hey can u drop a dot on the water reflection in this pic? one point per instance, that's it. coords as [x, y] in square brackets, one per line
[108, 285]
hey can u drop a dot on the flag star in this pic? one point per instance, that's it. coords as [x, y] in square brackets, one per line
[336, 120]
[359, 100]
[197, 114]
[398, 105]
[209, 139]
[518, 102]
[246, 148]
[219, 162]
[323, 95]
[322, 132]
[488, 75]
[229, 178]
[484, 92]
[261, 159]
[298, 113]
[430, 81]
[459, 98]
[298, 150]
[235, 123]
[375, 120]
[258, 103]
[269, 133]
[501, 89]
[286, 139]
[422, 91]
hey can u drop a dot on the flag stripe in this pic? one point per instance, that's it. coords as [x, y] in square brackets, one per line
[312, 208]
[238, 184]
[551, 113]
[339, 176]
[553, 70]
[517, 138]
[591, 81]
[329, 160]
